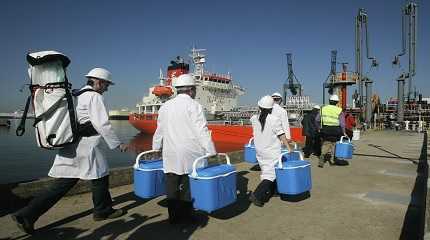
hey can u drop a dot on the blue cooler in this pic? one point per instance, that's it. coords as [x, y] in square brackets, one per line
[249, 154]
[344, 149]
[213, 187]
[293, 177]
[148, 177]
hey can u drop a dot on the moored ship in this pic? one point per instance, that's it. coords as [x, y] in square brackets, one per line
[218, 95]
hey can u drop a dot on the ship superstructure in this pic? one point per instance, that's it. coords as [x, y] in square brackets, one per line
[215, 92]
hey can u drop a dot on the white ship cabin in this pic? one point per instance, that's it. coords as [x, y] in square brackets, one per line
[148, 109]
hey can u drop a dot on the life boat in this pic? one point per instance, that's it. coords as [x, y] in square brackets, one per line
[162, 91]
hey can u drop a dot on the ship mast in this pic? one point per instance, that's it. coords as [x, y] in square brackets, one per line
[198, 59]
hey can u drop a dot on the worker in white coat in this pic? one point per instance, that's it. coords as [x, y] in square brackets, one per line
[268, 137]
[281, 113]
[83, 160]
[183, 136]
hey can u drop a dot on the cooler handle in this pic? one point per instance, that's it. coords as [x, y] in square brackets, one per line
[136, 165]
[194, 173]
[280, 159]
[250, 141]
[341, 139]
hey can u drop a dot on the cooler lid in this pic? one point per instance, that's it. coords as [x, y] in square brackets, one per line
[216, 170]
[151, 164]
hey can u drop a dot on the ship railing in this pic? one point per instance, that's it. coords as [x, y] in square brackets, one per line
[217, 85]
[240, 122]
[225, 77]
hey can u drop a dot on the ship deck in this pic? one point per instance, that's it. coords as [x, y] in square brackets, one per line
[375, 197]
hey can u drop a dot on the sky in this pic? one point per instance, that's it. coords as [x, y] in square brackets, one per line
[249, 39]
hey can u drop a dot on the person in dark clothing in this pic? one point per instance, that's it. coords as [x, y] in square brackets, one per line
[311, 127]
[349, 124]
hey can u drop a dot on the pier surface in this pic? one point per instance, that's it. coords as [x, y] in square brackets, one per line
[368, 199]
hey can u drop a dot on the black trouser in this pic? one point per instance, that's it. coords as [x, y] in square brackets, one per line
[349, 133]
[43, 202]
[312, 145]
[265, 190]
[179, 202]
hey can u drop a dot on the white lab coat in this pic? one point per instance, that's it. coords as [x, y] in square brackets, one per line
[267, 144]
[182, 133]
[85, 160]
[282, 114]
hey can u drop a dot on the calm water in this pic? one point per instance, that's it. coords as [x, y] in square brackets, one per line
[22, 160]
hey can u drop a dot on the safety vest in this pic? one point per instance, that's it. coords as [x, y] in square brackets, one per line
[330, 115]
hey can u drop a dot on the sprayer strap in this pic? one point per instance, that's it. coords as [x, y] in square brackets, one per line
[20, 130]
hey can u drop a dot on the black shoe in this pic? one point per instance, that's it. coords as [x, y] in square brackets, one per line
[255, 201]
[23, 224]
[339, 162]
[115, 214]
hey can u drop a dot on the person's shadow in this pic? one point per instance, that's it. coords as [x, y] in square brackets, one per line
[164, 230]
[110, 230]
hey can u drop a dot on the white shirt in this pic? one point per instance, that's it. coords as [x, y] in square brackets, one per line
[85, 160]
[282, 115]
[267, 144]
[182, 133]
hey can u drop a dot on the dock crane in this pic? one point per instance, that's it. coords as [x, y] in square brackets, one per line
[409, 16]
[293, 84]
[361, 34]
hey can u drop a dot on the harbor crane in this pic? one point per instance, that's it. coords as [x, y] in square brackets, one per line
[293, 84]
[362, 38]
[409, 17]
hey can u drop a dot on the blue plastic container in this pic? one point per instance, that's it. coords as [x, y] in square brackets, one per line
[344, 149]
[213, 187]
[249, 153]
[149, 178]
[293, 177]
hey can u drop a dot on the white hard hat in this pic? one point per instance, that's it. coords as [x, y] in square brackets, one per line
[276, 95]
[317, 106]
[334, 97]
[100, 73]
[184, 80]
[266, 102]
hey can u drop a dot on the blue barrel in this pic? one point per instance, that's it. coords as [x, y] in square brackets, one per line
[249, 153]
[213, 187]
[344, 149]
[149, 177]
[293, 177]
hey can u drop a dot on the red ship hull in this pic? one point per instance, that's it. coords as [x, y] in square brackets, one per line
[221, 133]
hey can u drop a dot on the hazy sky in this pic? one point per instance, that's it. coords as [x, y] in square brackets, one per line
[133, 39]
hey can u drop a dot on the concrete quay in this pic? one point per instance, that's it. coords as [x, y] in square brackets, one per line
[375, 197]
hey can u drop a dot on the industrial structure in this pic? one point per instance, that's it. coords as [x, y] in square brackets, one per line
[409, 28]
[337, 82]
[293, 85]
